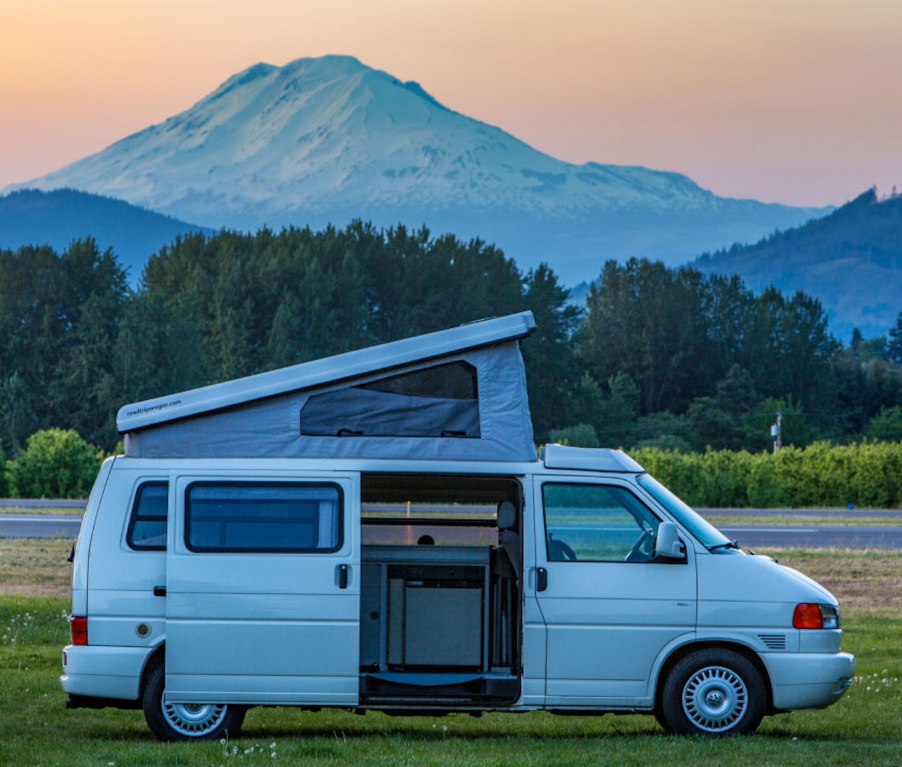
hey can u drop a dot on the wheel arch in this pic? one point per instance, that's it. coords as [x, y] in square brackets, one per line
[678, 653]
[156, 658]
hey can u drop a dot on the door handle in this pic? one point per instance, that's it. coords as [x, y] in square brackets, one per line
[541, 579]
[343, 571]
[159, 591]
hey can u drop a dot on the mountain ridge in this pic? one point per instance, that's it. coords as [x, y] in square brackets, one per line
[851, 260]
[58, 217]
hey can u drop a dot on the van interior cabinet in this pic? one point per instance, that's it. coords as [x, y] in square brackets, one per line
[443, 626]
[428, 616]
[425, 607]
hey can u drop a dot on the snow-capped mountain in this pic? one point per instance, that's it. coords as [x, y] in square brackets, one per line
[326, 140]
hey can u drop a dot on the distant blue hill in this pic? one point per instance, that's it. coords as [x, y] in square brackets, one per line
[32, 217]
[851, 260]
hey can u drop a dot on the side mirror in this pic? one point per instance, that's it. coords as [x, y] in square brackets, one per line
[668, 544]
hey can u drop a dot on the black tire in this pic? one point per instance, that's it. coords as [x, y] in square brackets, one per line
[713, 692]
[187, 722]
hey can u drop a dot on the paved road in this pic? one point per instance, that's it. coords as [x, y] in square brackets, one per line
[751, 536]
[39, 525]
[42, 503]
[860, 514]
[816, 537]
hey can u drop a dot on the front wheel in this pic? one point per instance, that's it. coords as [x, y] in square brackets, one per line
[714, 692]
[186, 721]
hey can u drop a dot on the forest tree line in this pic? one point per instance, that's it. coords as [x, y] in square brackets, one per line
[658, 357]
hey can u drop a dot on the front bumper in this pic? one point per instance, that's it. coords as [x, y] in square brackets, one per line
[103, 672]
[808, 680]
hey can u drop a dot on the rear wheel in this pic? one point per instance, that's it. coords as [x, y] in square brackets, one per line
[714, 692]
[186, 721]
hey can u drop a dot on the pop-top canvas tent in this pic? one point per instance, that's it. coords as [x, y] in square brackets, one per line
[458, 394]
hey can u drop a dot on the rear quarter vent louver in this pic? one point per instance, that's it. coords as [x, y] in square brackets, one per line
[773, 641]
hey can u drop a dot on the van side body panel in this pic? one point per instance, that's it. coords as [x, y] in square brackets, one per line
[83, 543]
[104, 672]
[120, 580]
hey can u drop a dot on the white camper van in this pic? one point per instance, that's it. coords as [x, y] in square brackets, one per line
[373, 531]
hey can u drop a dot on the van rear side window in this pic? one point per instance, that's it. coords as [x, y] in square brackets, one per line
[263, 517]
[147, 524]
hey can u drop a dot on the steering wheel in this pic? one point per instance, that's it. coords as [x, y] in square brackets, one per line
[558, 551]
[641, 552]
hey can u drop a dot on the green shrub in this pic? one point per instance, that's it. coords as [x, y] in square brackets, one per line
[671, 442]
[679, 471]
[876, 475]
[580, 435]
[723, 478]
[54, 464]
[762, 489]
[867, 474]
[887, 426]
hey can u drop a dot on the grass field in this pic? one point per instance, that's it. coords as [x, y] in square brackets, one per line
[798, 520]
[864, 728]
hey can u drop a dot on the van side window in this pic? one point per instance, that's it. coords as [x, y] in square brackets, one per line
[147, 523]
[597, 523]
[263, 517]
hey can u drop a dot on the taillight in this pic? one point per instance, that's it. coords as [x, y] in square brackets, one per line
[79, 627]
[810, 615]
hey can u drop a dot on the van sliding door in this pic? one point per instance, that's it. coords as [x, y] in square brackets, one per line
[263, 589]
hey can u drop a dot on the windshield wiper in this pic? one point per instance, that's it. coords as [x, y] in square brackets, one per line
[728, 545]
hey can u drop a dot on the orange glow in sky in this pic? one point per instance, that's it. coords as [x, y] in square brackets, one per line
[796, 101]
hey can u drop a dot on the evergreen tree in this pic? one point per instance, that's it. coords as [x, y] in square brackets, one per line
[710, 427]
[284, 345]
[659, 356]
[894, 348]
[736, 391]
[647, 321]
[18, 419]
[551, 366]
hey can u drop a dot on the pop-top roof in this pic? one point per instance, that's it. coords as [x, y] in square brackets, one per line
[324, 372]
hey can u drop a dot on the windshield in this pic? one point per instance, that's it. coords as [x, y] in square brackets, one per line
[703, 530]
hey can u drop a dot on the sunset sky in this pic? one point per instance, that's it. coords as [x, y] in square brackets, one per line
[796, 101]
